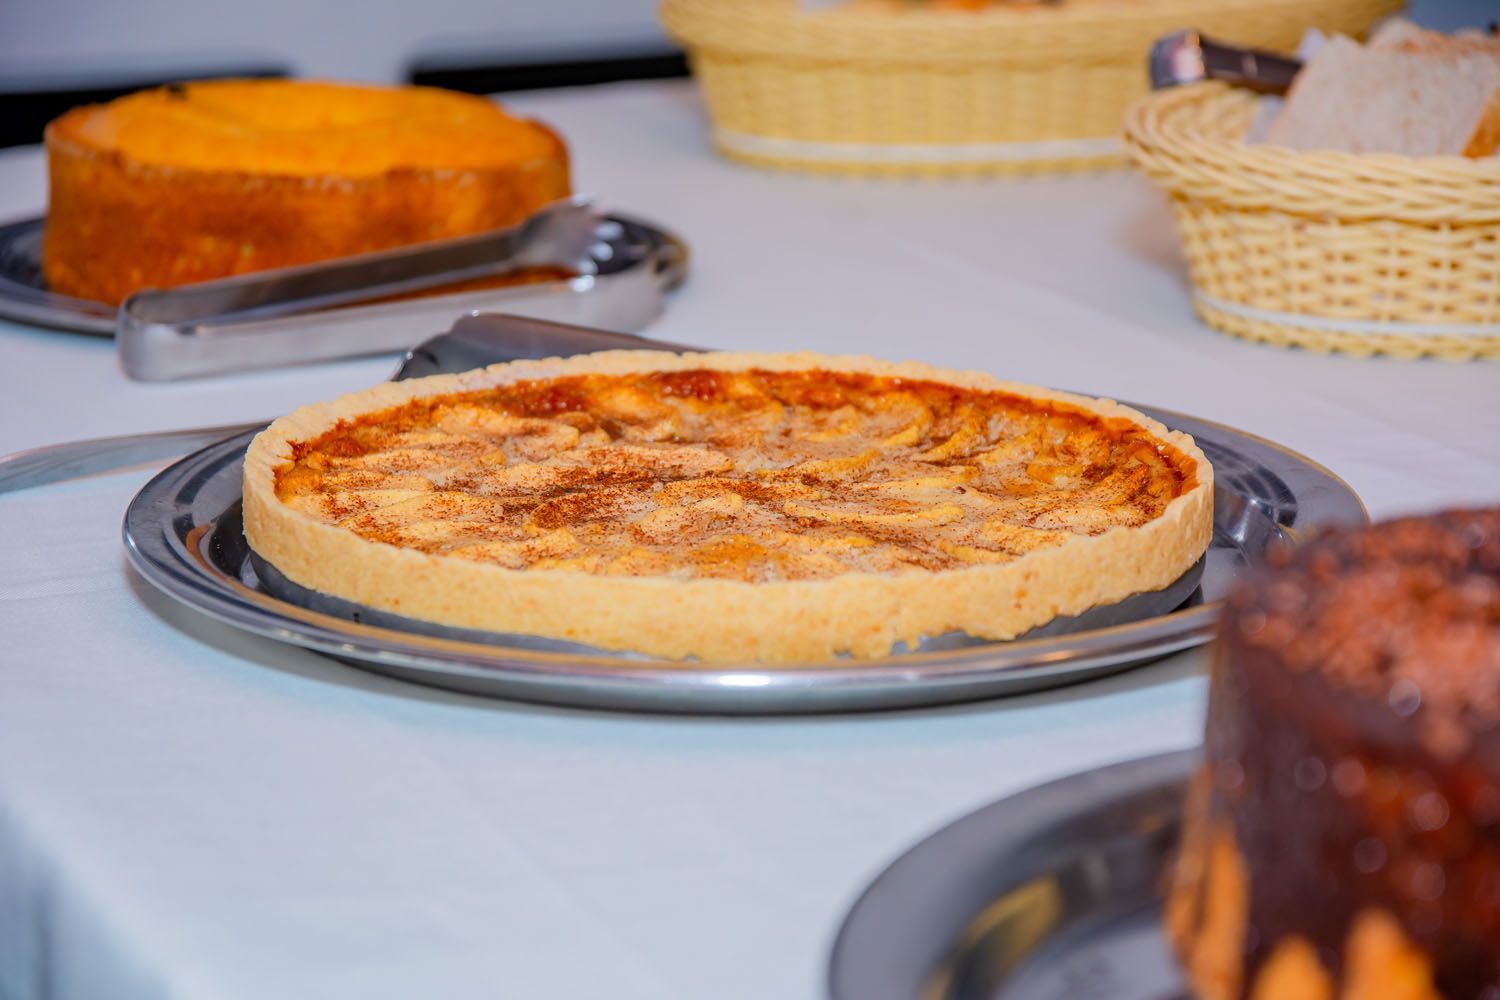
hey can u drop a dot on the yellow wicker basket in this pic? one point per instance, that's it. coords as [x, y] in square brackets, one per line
[895, 87]
[1358, 253]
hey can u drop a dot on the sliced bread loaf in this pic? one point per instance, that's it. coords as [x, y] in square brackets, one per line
[1406, 93]
[1400, 35]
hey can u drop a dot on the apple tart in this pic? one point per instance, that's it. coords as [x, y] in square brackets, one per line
[729, 507]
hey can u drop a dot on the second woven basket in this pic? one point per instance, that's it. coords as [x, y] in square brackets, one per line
[897, 87]
[1356, 253]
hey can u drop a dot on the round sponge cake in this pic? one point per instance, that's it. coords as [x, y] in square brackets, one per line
[198, 181]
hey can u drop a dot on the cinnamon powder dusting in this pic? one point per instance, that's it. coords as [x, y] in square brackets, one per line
[749, 475]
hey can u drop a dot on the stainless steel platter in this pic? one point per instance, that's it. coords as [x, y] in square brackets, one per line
[182, 532]
[622, 267]
[24, 296]
[1050, 894]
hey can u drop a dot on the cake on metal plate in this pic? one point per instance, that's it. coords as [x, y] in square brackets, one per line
[204, 180]
[1343, 837]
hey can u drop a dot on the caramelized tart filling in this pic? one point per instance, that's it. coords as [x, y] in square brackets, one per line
[747, 475]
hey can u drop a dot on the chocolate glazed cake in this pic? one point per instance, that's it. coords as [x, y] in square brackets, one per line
[1342, 841]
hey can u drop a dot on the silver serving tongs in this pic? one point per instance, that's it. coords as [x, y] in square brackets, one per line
[313, 312]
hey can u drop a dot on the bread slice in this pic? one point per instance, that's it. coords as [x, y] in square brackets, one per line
[1404, 94]
[1400, 35]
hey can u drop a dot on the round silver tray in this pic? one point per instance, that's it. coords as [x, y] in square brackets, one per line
[25, 298]
[182, 533]
[1050, 894]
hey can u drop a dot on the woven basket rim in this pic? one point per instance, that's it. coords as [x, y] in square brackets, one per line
[781, 28]
[1421, 189]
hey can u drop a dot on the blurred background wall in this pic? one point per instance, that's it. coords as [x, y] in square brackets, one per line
[57, 53]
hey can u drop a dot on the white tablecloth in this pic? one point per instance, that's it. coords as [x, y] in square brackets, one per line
[190, 812]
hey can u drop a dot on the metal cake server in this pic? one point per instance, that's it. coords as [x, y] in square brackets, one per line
[472, 342]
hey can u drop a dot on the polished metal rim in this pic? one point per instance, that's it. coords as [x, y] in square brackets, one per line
[1052, 892]
[25, 299]
[1265, 495]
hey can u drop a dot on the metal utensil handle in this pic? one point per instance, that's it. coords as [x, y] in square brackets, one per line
[361, 277]
[490, 338]
[76, 459]
[1185, 57]
[1265, 72]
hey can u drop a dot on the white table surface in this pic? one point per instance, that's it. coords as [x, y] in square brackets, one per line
[190, 812]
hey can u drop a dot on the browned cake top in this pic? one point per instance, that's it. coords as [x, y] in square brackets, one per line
[748, 475]
[1407, 611]
[305, 128]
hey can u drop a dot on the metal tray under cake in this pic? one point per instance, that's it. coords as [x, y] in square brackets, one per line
[1051, 894]
[612, 290]
[24, 296]
[182, 532]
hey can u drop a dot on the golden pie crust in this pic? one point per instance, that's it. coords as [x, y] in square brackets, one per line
[729, 507]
